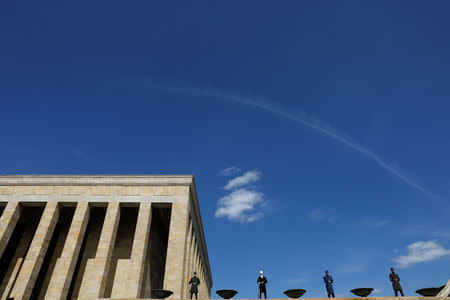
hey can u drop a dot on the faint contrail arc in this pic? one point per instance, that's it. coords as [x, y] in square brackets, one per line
[304, 119]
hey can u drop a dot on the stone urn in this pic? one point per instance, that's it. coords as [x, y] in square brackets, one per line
[161, 294]
[430, 292]
[226, 294]
[295, 293]
[362, 292]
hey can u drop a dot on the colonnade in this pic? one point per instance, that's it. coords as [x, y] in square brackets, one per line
[195, 263]
[128, 277]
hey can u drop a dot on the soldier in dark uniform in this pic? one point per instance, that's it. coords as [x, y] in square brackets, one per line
[329, 284]
[194, 282]
[395, 279]
[262, 280]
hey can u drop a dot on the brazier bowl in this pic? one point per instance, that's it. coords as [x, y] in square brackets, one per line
[226, 294]
[362, 292]
[161, 294]
[430, 292]
[295, 293]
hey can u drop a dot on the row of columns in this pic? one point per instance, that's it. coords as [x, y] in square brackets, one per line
[95, 276]
[65, 265]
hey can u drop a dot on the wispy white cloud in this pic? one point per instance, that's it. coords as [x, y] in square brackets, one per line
[351, 268]
[321, 214]
[443, 232]
[230, 171]
[376, 291]
[415, 230]
[239, 206]
[308, 121]
[248, 177]
[253, 217]
[421, 251]
[354, 262]
[434, 231]
[377, 223]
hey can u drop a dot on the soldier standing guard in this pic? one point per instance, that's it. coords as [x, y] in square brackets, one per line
[194, 282]
[329, 284]
[395, 279]
[262, 280]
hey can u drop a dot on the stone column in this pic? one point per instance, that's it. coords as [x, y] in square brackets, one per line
[36, 253]
[65, 265]
[187, 274]
[192, 260]
[207, 286]
[173, 278]
[194, 255]
[204, 281]
[202, 278]
[199, 269]
[8, 221]
[94, 281]
[139, 251]
[196, 261]
[16, 263]
[189, 245]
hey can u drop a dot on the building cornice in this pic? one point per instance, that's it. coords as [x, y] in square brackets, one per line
[97, 180]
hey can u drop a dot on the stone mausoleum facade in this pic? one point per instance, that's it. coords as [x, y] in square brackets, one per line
[91, 237]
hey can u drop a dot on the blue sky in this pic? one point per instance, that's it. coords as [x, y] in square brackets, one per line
[333, 117]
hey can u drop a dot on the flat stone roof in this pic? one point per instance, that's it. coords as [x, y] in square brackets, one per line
[86, 180]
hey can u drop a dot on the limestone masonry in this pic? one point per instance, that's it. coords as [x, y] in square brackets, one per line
[91, 237]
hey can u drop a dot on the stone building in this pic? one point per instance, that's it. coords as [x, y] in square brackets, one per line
[90, 237]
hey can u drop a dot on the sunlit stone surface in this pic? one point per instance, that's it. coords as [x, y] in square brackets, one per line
[91, 237]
